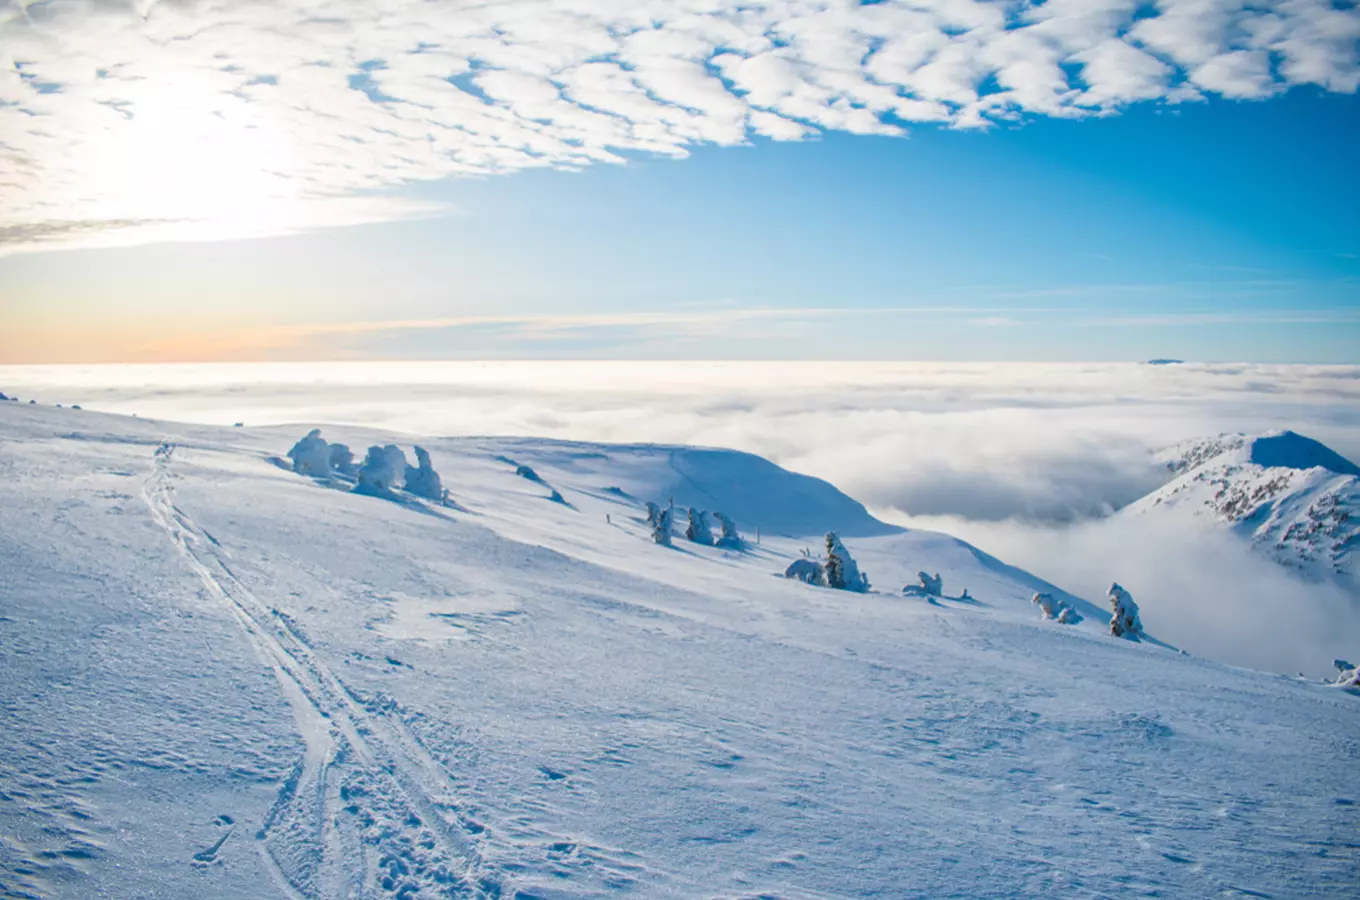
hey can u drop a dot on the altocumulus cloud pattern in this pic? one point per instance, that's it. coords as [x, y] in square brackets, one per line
[129, 120]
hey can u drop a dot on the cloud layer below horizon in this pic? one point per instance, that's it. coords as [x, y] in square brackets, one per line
[131, 121]
[1024, 460]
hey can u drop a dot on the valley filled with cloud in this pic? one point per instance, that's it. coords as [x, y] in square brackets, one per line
[1026, 461]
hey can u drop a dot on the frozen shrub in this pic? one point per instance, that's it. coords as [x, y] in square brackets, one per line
[842, 572]
[729, 539]
[698, 530]
[1055, 609]
[806, 570]
[311, 455]
[342, 460]
[526, 472]
[1124, 619]
[556, 497]
[382, 470]
[421, 479]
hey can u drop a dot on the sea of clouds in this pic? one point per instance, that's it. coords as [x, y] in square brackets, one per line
[1024, 460]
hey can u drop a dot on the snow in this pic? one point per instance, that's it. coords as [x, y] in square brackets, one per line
[224, 679]
[1289, 450]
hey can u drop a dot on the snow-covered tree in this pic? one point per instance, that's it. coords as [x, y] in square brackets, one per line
[698, 530]
[528, 473]
[842, 572]
[1055, 608]
[729, 539]
[661, 523]
[1348, 676]
[1124, 621]
[421, 479]
[382, 470]
[931, 585]
[311, 455]
[342, 460]
[807, 570]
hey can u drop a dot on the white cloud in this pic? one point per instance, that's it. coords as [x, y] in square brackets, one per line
[1198, 589]
[217, 119]
[1242, 74]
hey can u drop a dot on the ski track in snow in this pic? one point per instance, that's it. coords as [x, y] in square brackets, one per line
[533, 701]
[365, 789]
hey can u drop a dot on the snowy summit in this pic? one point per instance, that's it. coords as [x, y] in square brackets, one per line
[1296, 500]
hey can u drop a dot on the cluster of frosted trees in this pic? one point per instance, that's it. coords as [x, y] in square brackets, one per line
[697, 528]
[838, 570]
[1055, 609]
[1124, 621]
[383, 470]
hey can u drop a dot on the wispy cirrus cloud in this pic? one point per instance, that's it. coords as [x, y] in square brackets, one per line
[127, 122]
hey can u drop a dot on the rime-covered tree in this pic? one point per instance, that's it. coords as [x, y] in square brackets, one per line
[1124, 620]
[842, 572]
[342, 460]
[697, 530]
[729, 538]
[382, 470]
[661, 527]
[807, 570]
[422, 480]
[1055, 609]
[311, 455]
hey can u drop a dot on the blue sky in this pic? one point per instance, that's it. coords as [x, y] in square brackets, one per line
[1218, 227]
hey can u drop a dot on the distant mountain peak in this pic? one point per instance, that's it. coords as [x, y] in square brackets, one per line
[1270, 450]
[1294, 498]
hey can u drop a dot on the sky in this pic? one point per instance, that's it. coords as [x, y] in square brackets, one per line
[809, 179]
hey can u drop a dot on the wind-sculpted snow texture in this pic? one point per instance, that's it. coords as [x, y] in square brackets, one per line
[1296, 500]
[225, 679]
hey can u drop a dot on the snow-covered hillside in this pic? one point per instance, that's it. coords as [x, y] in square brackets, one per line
[1297, 501]
[225, 679]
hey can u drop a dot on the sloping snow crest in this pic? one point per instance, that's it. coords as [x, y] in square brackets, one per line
[223, 678]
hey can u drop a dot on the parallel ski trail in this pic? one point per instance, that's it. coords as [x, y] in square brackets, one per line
[363, 777]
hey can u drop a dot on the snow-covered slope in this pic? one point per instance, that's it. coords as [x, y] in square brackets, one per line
[223, 679]
[1296, 500]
